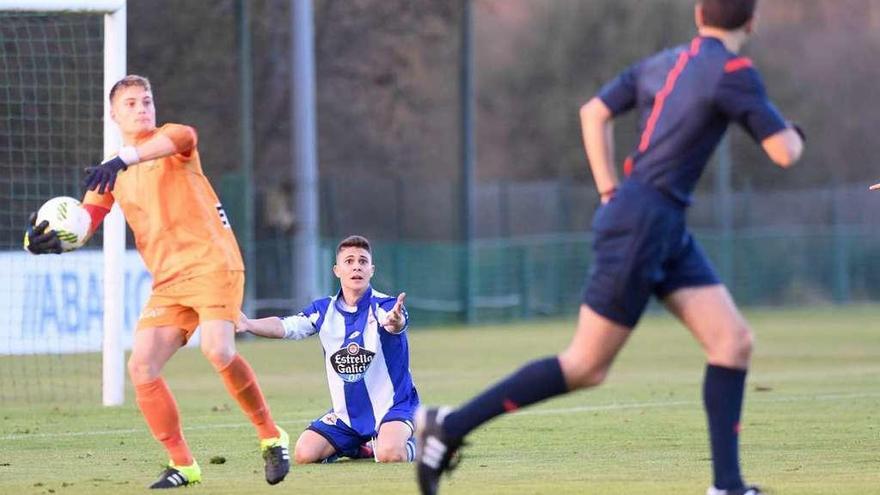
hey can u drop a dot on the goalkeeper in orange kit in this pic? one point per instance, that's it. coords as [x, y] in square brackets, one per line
[184, 237]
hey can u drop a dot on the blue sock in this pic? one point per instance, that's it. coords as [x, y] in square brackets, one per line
[723, 399]
[534, 382]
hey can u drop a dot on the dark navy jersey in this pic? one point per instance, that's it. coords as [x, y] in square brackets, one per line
[686, 96]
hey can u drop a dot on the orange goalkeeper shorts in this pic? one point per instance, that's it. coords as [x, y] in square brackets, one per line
[183, 304]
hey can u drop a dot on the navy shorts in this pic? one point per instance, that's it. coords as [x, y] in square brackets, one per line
[345, 439]
[641, 247]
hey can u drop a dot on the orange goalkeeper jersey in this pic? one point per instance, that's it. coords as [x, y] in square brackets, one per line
[179, 226]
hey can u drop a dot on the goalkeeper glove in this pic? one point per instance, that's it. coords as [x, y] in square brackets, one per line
[103, 176]
[38, 241]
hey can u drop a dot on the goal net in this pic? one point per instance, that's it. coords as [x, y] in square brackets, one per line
[53, 72]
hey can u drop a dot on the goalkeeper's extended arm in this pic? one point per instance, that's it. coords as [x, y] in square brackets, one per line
[171, 139]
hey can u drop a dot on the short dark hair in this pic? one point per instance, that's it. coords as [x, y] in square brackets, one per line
[129, 81]
[727, 14]
[354, 241]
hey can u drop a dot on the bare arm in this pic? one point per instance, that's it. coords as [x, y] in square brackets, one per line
[784, 147]
[270, 327]
[597, 128]
[296, 327]
[171, 139]
[158, 146]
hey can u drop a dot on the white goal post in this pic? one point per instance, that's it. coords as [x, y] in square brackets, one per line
[114, 11]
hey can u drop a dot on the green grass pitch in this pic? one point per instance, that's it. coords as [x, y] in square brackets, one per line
[811, 422]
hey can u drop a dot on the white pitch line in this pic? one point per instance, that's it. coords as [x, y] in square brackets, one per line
[640, 405]
[19, 436]
[566, 410]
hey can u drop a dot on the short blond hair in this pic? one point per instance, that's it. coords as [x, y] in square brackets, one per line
[129, 81]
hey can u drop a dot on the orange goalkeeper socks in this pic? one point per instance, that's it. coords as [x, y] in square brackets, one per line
[160, 410]
[241, 382]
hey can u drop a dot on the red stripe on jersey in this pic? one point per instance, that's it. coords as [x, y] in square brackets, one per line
[660, 98]
[695, 45]
[510, 406]
[738, 63]
[628, 166]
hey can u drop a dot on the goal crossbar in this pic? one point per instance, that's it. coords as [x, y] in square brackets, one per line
[96, 6]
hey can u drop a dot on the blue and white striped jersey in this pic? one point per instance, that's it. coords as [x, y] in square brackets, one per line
[367, 366]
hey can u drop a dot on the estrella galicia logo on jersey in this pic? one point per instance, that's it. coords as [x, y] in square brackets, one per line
[351, 362]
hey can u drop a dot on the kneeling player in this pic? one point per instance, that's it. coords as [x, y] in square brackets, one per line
[367, 363]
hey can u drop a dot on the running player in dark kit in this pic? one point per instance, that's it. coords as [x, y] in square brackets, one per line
[686, 97]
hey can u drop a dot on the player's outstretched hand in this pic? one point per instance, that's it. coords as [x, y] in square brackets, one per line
[874, 187]
[37, 240]
[394, 319]
[103, 176]
[243, 324]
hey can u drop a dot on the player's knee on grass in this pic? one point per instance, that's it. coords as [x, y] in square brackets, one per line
[304, 455]
[301, 456]
[390, 452]
[311, 448]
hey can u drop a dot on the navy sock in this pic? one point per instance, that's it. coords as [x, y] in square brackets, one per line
[723, 399]
[534, 382]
